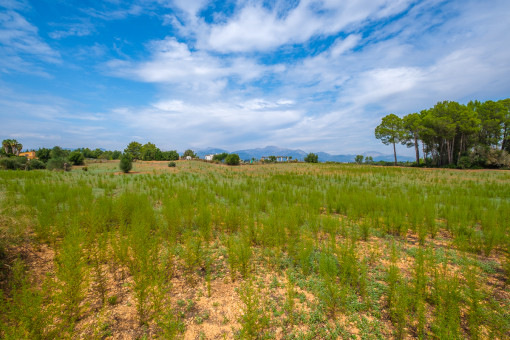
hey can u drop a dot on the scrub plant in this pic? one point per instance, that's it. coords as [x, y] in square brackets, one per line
[255, 319]
[239, 256]
[70, 278]
[25, 316]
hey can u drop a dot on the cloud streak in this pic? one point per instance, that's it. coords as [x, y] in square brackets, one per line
[21, 46]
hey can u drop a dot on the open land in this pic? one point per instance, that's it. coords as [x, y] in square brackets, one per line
[283, 251]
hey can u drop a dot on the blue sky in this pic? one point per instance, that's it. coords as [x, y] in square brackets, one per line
[314, 75]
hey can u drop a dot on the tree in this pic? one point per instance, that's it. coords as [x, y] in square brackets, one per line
[134, 150]
[116, 154]
[232, 159]
[171, 155]
[358, 159]
[149, 152]
[76, 158]
[448, 129]
[391, 131]
[220, 157]
[312, 158]
[492, 116]
[413, 125]
[43, 154]
[126, 162]
[369, 160]
[16, 147]
[190, 153]
[505, 143]
[12, 146]
[6, 145]
[58, 152]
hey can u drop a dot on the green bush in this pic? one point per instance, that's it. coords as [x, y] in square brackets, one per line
[126, 163]
[220, 157]
[13, 163]
[312, 158]
[36, 164]
[171, 164]
[232, 159]
[58, 164]
[76, 158]
[464, 162]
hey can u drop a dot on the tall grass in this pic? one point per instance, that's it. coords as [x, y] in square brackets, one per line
[434, 235]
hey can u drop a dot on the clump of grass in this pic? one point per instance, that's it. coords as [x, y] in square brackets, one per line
[239, 256]
[255, 319]
[24, 316]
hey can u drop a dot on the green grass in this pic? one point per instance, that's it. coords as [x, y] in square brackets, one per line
[318, 250]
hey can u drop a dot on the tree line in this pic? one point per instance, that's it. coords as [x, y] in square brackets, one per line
[451, 134]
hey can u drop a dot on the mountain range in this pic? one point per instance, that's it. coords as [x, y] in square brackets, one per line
[300, 154]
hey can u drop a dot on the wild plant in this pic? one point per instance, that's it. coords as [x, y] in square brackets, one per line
[192, 255]
[143, 261]
[420, 286]
[203, 221]
[331, 294]
[26, 317]
[304, 256]
[397, 295]
[290, 295]
[98, 258]
[71, 277]
[239, 256]
[474, 302]
[255, 319]
[446, 298]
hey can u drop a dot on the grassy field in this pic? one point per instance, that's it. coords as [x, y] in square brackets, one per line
[284, 251]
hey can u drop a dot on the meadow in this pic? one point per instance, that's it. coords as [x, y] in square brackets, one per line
[273, 251]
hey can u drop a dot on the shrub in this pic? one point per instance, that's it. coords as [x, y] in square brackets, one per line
[233, 159]
[489, 157]
[76, 158]
[220, 157]
[36, 164]
[312, 158]
[13, 163]
[126, 163]
[171, 164]
[464, 162]
[58, 164]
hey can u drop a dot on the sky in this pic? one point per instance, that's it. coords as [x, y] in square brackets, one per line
[310, 75]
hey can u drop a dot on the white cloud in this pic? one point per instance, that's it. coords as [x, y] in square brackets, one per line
[175, 123]
[257, 28]
[79, 29]
[190, 6]
[341, 46]
[21, 46]
[172, 62]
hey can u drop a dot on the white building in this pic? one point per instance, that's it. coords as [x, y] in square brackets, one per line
[209, 157]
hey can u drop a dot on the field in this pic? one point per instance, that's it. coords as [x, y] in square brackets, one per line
[283, 251]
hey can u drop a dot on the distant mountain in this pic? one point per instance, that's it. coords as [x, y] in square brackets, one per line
[270, 151]
[300, 154]
[373, 154]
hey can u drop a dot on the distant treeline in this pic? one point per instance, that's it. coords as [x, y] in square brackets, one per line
[453, 134]
[59, 158]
